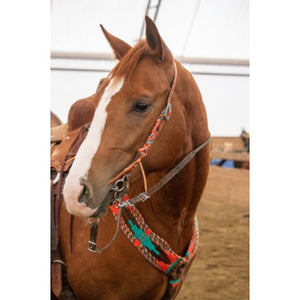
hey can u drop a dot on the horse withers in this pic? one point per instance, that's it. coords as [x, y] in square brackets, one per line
[140, 170]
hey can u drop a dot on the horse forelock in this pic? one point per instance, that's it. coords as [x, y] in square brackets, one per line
[127, 64]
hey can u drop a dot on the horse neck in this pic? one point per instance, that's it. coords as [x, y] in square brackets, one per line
[170, 211]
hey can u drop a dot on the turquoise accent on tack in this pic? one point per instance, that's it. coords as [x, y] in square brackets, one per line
[173, 264]
[143, 237]
[174, 281]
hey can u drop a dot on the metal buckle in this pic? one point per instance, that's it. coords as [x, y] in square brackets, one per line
[124, 204]
[142, 197]
[94, 220]
[58, 261]
[92, 247]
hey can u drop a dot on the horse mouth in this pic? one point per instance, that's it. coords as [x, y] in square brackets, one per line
[112, 192]
[102, 208]
[82, 204]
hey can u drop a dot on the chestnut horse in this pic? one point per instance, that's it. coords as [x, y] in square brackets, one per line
[147, 85]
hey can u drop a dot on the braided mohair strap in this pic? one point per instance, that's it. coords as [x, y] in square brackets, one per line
[155, 249]
[164, 116]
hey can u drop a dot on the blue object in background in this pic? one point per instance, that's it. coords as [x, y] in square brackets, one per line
[226, 163]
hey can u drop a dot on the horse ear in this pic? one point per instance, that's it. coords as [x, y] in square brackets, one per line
[119, 46]
[155, 42]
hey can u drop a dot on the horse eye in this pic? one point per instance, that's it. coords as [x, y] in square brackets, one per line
[141, 106]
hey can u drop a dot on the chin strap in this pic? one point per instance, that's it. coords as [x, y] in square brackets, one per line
[94, 225]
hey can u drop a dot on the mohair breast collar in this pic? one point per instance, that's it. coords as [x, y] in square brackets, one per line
[155, 249]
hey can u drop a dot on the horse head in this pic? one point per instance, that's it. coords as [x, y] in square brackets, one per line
[128, 103]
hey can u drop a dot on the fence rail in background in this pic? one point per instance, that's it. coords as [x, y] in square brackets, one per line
[228, 148]
[182, 59]
[235, 156]
[81, 62]
[228, 184]
[219, 142]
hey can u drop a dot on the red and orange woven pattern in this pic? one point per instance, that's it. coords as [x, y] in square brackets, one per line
[153, 247]
[164, 116]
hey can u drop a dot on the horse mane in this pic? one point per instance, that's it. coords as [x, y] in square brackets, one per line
[130, 60]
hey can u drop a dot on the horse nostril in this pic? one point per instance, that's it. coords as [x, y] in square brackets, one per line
[85, 194]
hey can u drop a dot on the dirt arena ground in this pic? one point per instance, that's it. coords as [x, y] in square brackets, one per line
[221, 267]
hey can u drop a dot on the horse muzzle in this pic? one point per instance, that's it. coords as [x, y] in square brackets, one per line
[76, 203]
[86, 194]
[95, 198]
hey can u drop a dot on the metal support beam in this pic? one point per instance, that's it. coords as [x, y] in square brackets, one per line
[182, 59]
[151, 11]
[107, 71]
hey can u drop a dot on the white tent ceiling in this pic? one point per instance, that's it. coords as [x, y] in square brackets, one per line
[193, 28]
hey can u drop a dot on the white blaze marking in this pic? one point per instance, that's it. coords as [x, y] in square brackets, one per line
[86, 152]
